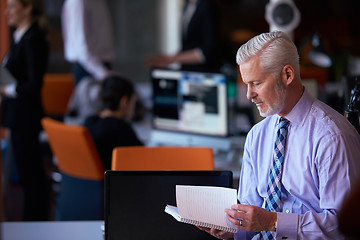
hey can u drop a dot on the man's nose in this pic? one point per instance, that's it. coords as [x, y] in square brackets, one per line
[250, 94]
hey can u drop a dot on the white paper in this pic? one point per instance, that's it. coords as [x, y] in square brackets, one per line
[205, 204]
[6, 77]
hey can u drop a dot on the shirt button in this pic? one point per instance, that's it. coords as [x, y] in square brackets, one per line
[287, 211]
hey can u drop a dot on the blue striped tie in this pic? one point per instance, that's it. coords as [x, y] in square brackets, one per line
[273, 200]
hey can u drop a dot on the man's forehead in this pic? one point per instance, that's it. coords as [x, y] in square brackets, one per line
[250, 71]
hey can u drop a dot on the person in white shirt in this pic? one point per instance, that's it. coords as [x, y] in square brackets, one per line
[88, 37]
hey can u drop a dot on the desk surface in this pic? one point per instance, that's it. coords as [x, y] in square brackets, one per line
[54, 230]
[224, 160]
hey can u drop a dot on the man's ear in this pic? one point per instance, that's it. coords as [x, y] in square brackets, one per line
[288, 74]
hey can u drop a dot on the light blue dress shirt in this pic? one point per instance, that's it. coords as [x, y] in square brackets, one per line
[322, 162]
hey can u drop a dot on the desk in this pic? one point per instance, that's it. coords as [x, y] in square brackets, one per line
[223, 159]
[54, 230]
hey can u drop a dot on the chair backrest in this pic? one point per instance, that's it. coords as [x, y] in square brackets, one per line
[162, 158]
[74, 149]
[56, 92]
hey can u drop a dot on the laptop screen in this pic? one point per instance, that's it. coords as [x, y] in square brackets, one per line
[135, 203]
[190, 102]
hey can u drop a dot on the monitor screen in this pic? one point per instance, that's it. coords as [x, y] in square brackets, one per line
[190, 102]
[135, 202]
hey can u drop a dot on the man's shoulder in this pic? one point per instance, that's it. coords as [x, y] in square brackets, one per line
[324, 125]
[324, 116]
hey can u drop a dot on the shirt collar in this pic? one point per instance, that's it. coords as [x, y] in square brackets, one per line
[299, 112]
[19, 33]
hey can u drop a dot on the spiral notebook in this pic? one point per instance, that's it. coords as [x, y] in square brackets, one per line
[203, 206]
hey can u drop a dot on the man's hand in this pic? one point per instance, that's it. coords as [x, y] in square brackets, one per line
[251, 218]
[217, 233]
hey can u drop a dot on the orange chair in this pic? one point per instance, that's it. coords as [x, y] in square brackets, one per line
[162, 158]
[81, 193]
[56, 92]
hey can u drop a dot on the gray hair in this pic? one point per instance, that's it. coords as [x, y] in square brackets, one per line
[275, 49]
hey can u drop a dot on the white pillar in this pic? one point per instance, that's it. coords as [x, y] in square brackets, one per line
[170, 14]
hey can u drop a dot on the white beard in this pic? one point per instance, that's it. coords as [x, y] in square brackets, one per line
[278, 105]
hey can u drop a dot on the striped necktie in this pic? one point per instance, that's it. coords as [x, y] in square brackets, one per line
[273, 199]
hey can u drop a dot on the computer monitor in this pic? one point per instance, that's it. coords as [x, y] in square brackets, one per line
[190, 103]
[135, 202]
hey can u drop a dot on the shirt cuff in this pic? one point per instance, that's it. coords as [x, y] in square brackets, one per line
[10, 90]
[242, 234]
[287, 226]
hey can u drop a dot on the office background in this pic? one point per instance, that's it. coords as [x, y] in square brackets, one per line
[143, 28]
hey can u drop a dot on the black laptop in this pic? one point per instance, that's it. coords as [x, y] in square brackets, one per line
[135, 203]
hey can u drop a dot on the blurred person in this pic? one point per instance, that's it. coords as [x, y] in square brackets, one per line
[22, 110]
[292, 189]
[111, 127]
[199, 39]
[88, 37]
[84, 101]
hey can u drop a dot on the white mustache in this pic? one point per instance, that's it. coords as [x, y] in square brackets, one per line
[253, 100]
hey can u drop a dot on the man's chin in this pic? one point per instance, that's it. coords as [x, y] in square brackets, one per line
[266, 113]
[262, 113]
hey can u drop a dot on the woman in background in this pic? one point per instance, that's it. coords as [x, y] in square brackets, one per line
[21, 102]
[111, 127]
